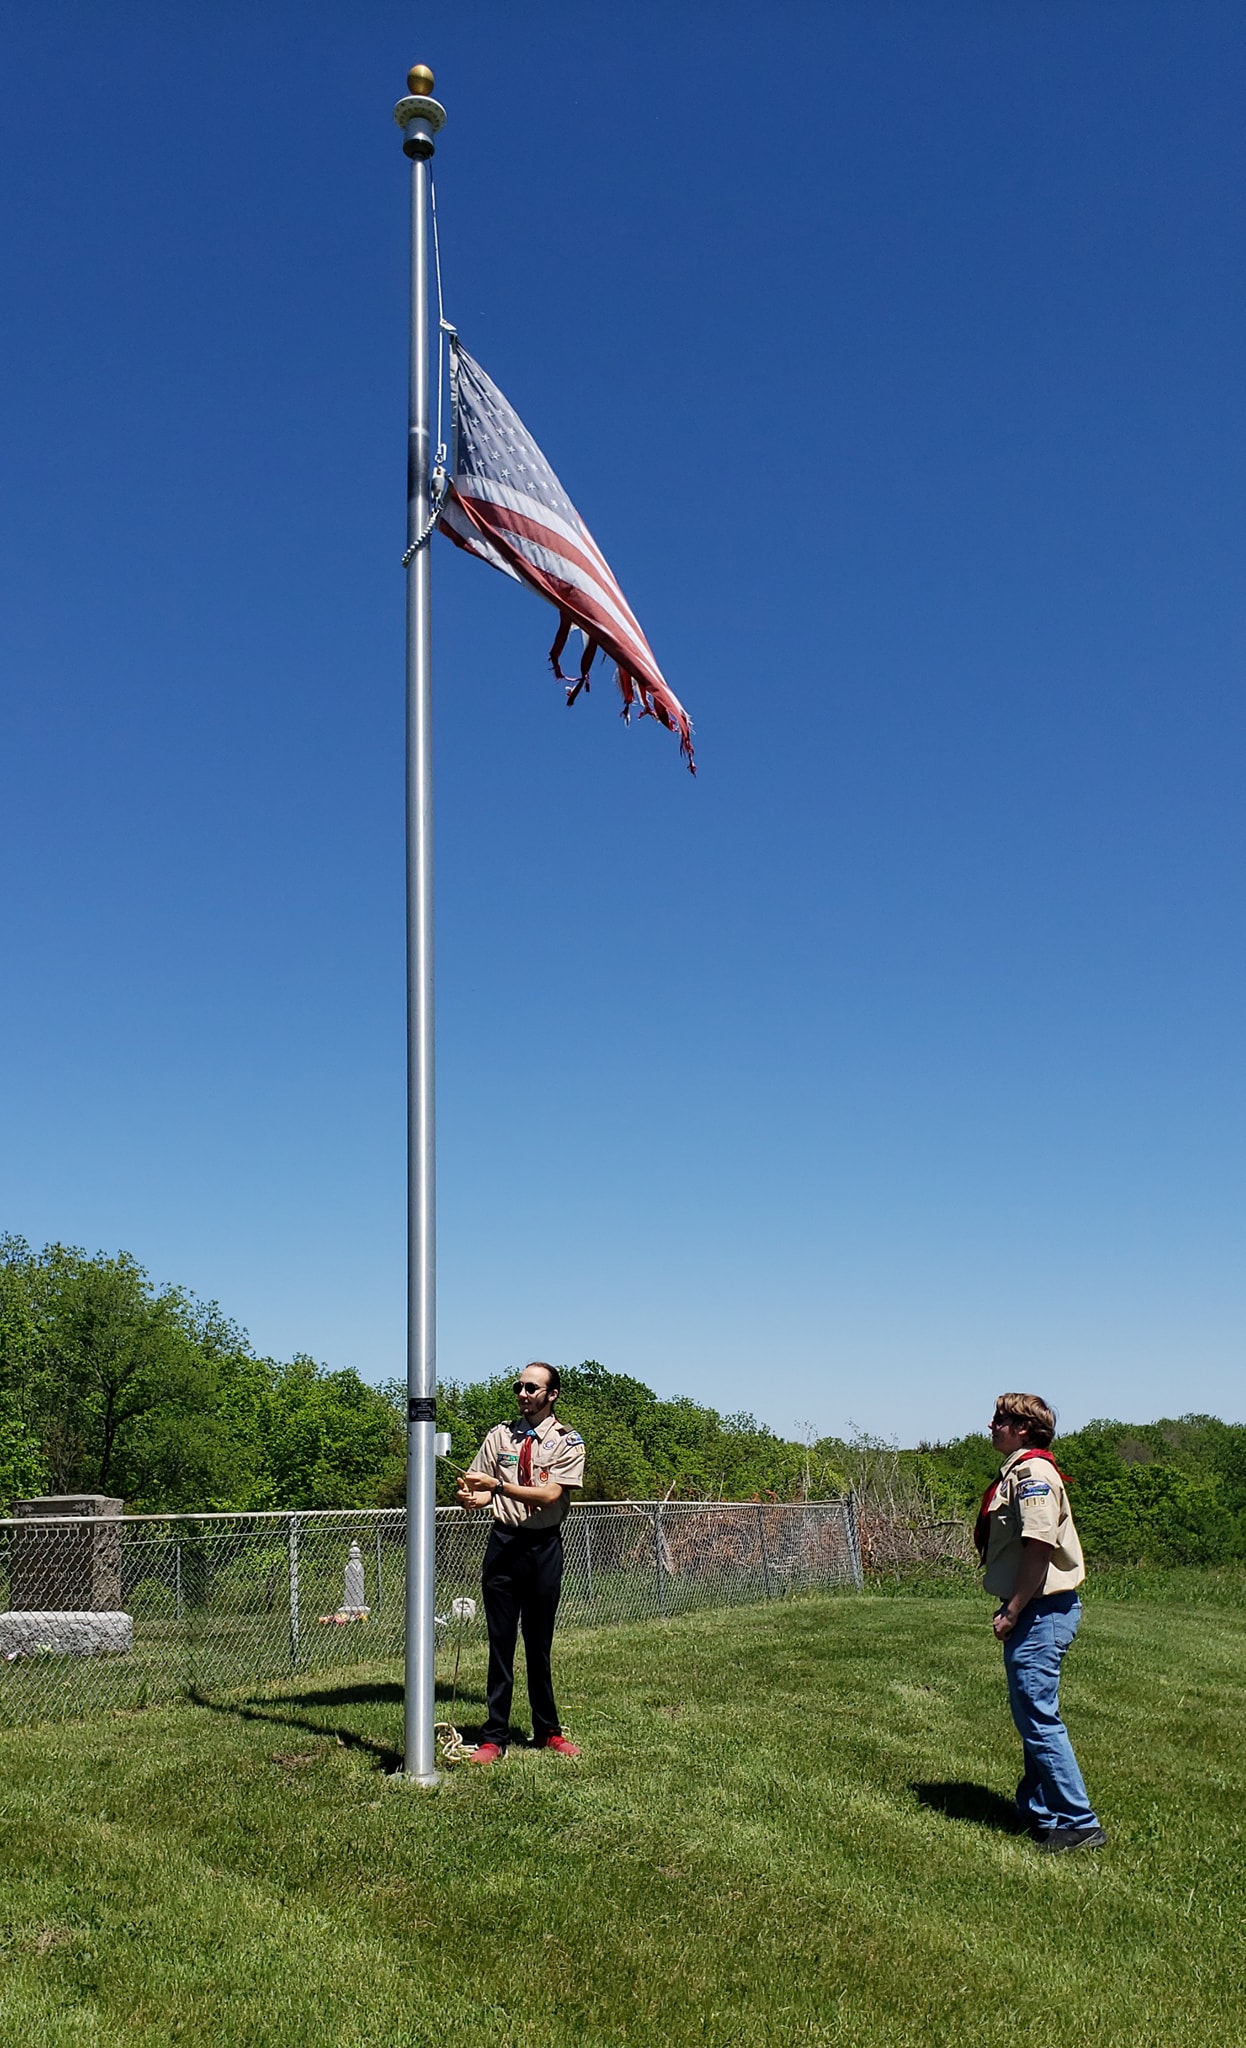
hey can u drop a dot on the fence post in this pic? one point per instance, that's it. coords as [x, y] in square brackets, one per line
[292, 1545]
[378, 1569]
[588, 1557]
[659, 1560]
[765, 1555]
[177, 1579]
[854, 1540]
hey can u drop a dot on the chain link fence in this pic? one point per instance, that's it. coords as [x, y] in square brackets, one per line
[99, 1613]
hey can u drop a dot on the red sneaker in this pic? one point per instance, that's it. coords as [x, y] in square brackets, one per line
[488, 1753]
[560, 1743]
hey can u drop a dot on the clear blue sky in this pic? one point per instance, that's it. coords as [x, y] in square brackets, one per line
[896, 355]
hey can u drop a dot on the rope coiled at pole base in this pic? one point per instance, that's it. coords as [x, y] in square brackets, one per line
[453, 1748]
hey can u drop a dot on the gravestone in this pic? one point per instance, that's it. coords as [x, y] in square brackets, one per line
[66, 1559]
[79, 1633]
[355, 1598]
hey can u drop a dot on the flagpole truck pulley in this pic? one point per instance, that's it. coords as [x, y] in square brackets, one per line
[418, 115]
[420, 119]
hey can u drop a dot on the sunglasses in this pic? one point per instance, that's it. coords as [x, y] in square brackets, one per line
[527, 1387]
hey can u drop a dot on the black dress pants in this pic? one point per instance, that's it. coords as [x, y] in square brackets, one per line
[521, 1581]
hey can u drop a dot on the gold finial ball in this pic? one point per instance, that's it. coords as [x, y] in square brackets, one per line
[420, 80]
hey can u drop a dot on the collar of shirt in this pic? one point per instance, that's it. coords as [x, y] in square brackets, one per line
[1026, 1452]
[1043, 1457]
[540, 1430]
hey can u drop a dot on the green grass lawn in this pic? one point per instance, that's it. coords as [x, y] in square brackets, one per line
[790, 1825]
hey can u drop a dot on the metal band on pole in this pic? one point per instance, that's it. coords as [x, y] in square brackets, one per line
[420, 117]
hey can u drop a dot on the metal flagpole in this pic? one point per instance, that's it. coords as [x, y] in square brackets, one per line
[419, 116]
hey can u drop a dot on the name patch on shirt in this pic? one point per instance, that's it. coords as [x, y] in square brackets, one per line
[1034, 1487]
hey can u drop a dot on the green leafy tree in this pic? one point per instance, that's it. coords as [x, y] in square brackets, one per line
[23, 1468]
[109, 1385]
[126, 1391]
[1157, 1515]
[329, 1439]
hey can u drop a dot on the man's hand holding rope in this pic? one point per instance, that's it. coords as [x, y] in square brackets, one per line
[475, 1489]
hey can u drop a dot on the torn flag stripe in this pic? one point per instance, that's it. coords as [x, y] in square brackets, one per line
[506, 505]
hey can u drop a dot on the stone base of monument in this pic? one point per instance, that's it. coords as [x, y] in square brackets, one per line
[70, 1633]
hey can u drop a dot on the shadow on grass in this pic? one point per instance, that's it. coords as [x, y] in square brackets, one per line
[281, 1712]
[382, 1693]
[385, 1756]
[956, 1799]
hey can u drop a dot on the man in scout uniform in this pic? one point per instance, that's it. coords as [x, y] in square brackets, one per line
[524, 1472]
[1033, 1563]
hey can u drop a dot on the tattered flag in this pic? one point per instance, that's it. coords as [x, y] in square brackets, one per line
[505, 505]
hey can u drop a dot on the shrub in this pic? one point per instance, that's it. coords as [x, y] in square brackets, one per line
[1155, 1514]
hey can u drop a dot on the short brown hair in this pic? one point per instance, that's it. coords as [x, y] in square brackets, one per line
[1030, 1412]
[554, 1385]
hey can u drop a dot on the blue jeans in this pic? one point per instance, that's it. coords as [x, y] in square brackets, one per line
[1051, 1794]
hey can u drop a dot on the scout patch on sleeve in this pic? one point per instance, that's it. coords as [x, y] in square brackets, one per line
[569, 1437]
[1034, 1487]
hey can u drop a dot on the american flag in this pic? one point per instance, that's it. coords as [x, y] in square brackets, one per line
[506, 505]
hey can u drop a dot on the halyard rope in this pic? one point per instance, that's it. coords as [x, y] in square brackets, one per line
[440, 479]
[453, 1748]
[441, 324]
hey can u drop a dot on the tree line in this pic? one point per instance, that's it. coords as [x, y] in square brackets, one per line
[109, 1384]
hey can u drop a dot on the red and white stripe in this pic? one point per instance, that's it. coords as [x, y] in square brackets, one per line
[506, 506]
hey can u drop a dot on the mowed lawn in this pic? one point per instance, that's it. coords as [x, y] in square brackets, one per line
[790, 1825]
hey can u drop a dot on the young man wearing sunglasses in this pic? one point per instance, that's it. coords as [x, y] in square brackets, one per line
[524, 1472]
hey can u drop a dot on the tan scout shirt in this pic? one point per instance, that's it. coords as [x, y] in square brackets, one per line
[557, 1459]
[1030, 1500]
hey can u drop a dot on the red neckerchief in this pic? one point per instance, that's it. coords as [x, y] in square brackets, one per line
[525, 1458]
[981, 1527]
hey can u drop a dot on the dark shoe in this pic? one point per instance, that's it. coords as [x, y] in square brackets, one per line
[488, 1753]
[1057, 1840]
